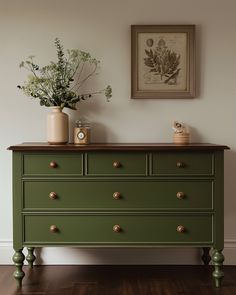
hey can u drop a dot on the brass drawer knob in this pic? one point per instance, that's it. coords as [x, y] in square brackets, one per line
[117, 195]
[116, 228]
[180, 164]
[53, 228]
[53, 196]
[180, 195]
[53, 164]
[180, 229]
[116, 164]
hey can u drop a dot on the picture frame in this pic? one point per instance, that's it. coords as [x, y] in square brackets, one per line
[163, 61]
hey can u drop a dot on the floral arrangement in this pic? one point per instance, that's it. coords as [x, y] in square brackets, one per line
[59, 83]
[179, 127]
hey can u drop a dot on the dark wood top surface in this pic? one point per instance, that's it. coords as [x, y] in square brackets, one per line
[116, 147]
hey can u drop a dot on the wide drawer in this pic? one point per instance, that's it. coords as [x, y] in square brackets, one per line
[116, 163]
[183, 163]
[118, 229]
[118, 195]
[52, 164]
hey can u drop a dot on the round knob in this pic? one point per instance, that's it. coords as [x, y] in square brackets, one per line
[53, 164]
[53, 228]
[180, 195]
[52, 195]
[116, 164]
[180, 229]
[180, 164]
[117, 195]
[116, 228]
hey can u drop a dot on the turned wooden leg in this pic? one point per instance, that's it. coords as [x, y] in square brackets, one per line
[30, 256]
[206, 258]
[18, 258]
[218, 259]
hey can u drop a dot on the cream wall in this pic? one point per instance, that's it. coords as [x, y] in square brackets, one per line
[103, 28]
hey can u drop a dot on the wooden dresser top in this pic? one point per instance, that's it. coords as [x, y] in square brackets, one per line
[28, 146]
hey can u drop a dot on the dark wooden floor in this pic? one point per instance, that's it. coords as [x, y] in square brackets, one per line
[117, 280]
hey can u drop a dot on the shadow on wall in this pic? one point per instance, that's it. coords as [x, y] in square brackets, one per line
[195, 136]
[230, 185]
[109, 256]
[99, 132]
[39, 260]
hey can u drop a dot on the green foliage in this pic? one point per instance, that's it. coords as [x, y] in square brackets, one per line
[161, 60]
[59, 83]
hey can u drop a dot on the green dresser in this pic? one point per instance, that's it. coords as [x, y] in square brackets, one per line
[118, 195]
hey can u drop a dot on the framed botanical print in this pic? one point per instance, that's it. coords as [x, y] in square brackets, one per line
[163, 61]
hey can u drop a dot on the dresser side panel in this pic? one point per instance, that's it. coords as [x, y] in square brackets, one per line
[219, 201]
[17, 200]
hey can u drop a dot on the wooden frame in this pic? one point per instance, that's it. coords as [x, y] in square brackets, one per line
[163, 61]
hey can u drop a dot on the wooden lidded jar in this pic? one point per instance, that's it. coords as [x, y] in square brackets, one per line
[82, 133]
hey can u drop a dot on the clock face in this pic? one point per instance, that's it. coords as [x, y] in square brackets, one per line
[81, 135]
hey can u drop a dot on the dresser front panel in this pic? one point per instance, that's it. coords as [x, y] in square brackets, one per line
[148, 191]
[69, 164]
[129, 164]
[135, 229]
[183, 163]
[102, 195]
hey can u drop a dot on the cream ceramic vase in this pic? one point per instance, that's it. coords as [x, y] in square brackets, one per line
[57, 126]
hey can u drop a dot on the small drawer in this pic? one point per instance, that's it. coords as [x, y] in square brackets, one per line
[116, 163]
[183, 163]
[118, 195]
[117, 229]
[52, 164]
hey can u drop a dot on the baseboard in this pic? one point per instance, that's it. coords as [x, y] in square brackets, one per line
[61, 255]
[6, 252]
[230, 252]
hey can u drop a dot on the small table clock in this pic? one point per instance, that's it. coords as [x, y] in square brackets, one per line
[81, 133]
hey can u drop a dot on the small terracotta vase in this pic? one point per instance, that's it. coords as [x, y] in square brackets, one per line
[57, 126]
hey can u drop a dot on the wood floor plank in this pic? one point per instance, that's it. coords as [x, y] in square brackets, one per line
[117, 280]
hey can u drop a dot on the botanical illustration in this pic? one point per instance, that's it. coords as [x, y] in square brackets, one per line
[162, 61]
